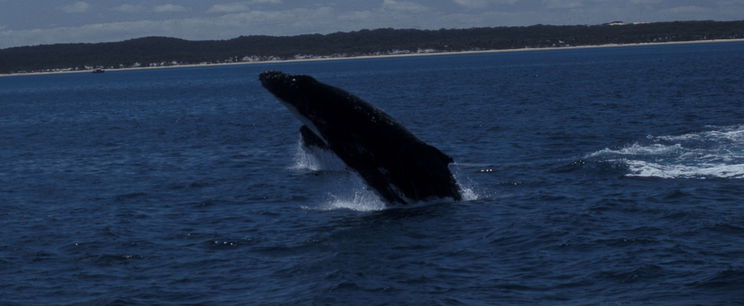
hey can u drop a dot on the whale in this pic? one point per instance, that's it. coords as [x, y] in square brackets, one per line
[394, 163]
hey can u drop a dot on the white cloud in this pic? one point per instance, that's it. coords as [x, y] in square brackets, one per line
[645, 1]
[129, 8]
[406, 6]
[473, 4]
[563, 4]
[690, 9]
[137, 8]
[229, 8]
[77, 7]
[169, 8]
[357, 16]
[232, 18]
[286, 22]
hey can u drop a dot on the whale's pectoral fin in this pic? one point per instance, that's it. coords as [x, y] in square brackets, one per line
[310, 139]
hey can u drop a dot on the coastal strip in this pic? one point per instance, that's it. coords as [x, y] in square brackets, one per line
[322, 58]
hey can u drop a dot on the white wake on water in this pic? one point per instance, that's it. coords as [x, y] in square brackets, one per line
[640, 150]
[718, 153]
[704, 170]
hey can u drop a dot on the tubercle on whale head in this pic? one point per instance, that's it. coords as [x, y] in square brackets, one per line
[283, 85]
[299, 91]
[274, 78]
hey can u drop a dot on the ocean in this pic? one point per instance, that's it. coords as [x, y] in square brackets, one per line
[590, 176]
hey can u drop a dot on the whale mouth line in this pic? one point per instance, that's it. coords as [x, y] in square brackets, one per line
[305, 121]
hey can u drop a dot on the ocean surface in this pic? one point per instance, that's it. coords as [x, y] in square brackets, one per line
[591, 176]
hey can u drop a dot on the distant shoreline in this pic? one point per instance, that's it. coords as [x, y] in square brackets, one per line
[384, 56]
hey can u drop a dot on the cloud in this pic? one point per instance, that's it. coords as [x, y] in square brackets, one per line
[645, 1]
[690, 9]
[77, 7]
[563, 4]
[234, 7]
[473, 4]
[285, 22]
[405, 6]
[129, 8]
[232, 18]
[169, 8]
[137, 8]
[229, 8]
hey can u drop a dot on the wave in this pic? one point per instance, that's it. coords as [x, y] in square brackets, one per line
[716, 153]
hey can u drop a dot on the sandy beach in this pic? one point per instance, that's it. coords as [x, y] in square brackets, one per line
[386, 56]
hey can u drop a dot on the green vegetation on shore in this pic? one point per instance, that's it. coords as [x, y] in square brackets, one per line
[163, 51]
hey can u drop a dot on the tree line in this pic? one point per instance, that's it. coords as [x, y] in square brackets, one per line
[163, 51]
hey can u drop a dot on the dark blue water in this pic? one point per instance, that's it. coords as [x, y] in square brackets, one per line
[592, 176]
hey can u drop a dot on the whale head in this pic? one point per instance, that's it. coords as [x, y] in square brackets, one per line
[315, 104]
[291, 89]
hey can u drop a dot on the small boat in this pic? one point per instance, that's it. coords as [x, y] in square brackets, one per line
[99, 70]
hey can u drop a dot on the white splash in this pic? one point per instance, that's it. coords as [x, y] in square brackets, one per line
[316, 159]
[356, 200]
[348, 191]
[469, 194]
[467, 187]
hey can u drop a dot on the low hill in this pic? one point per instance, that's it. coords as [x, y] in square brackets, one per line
[164, 51]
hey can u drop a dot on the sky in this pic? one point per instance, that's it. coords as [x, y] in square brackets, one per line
[34, 22]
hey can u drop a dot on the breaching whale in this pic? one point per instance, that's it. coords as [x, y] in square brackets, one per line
[398, 166]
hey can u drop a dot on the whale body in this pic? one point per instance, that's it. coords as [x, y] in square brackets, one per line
[397, 165]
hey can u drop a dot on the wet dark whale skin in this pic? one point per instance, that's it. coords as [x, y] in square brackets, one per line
[390, 159]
